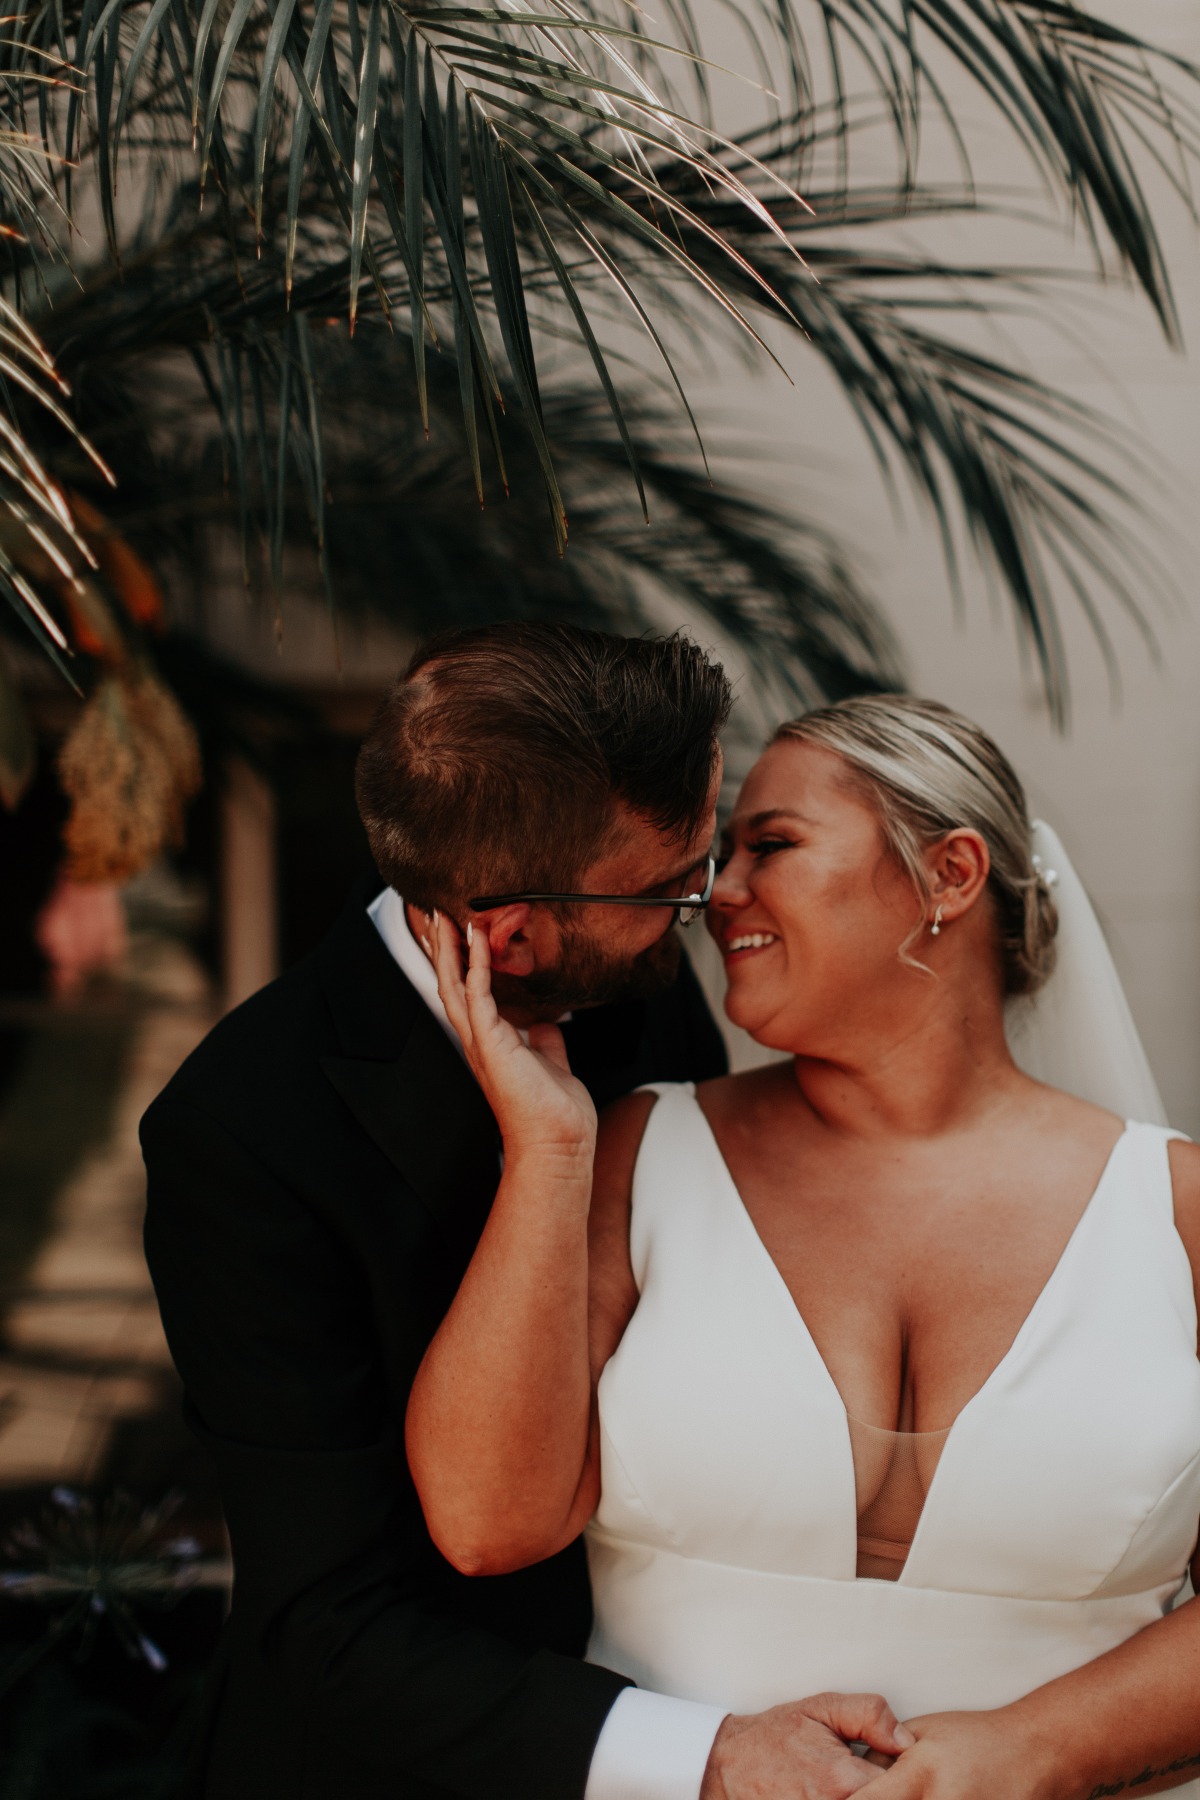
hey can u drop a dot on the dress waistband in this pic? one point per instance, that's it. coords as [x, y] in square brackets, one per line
[747, 1639]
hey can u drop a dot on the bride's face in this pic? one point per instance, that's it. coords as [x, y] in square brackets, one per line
[809, 910]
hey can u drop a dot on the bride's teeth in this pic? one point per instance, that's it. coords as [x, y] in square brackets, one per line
[755, 941]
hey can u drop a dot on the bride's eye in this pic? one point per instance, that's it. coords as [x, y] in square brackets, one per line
[764, 846]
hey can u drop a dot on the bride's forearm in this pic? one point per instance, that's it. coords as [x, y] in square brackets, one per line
[1127, 1723]
[498, 1422]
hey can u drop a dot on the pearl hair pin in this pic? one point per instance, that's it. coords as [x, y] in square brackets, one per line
[1045, 878]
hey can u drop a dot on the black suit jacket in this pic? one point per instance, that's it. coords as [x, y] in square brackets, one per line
[319, 1171]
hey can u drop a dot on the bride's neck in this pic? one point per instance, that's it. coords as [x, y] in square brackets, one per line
[914, 1081]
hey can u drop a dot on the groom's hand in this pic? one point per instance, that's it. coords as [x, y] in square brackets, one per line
[801, 1751]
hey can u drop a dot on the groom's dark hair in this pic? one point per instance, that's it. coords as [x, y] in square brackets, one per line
[500, 755]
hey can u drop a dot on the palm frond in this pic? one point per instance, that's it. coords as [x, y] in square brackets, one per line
[577, 94]
[502, 176]
[1027, 470]
[405, 540]
[41, 550]
[1074, 89]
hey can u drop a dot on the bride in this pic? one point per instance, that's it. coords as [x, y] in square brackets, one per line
[873, 1369]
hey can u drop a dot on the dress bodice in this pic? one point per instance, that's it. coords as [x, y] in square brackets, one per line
[1056, 1515]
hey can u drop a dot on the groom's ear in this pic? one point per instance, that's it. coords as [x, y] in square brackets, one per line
[513, 951]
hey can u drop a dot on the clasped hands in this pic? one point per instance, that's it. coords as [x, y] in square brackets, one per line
[801, 1751]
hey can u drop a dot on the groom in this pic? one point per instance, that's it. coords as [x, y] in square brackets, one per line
[319, 1171]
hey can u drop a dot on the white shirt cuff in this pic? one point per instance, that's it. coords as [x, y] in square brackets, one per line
[652, 1747]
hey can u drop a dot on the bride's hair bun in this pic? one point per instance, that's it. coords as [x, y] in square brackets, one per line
[928, 771]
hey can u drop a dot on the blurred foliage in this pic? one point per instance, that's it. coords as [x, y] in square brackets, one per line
[95, 1708]
[129, 766]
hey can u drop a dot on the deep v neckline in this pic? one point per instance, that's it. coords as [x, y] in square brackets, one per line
[1023, 1332]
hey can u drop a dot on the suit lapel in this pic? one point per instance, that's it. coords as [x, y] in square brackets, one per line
[406, 1085]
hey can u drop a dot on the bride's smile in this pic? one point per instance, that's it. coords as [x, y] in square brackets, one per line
[741, 943]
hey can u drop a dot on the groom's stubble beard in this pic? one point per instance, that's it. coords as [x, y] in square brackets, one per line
[585, 975]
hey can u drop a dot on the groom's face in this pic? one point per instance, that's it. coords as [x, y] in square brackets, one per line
[563, 958]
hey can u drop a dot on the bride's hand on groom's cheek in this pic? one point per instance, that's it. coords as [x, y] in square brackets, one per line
[539, 1105]
[801, 1751]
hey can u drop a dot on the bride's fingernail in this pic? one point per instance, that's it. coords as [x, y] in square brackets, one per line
[904, 1737]
[426, 946]
[436, 916]
[470, 934]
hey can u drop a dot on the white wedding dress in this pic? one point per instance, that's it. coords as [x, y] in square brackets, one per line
[1061, 1507]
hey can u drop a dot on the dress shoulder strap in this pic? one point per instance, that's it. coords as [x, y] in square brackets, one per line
[667, 1087]
[668, 1175]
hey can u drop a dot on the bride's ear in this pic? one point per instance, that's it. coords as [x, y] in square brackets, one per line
[959, 866]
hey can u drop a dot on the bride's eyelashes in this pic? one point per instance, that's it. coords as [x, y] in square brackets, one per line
[757, 847]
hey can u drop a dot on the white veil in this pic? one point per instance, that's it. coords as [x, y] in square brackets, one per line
[1078, 1032]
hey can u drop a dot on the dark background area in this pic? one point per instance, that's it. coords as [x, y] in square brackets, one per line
[89, 1711]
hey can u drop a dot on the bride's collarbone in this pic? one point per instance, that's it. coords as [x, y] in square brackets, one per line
[1024, 1189]
[913, 1271]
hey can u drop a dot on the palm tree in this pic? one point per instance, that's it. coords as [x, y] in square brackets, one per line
[329, 229]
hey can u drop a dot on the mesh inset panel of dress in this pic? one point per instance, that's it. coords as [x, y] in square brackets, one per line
[892, 1473]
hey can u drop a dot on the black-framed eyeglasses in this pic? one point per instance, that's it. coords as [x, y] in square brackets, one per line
[688, 906]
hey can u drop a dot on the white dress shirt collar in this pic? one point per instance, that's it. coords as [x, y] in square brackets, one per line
[386, 913]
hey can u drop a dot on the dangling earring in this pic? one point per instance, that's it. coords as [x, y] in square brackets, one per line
[936, 928]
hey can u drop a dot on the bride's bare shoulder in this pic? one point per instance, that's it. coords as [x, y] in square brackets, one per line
[1185, 1183]
[736, 1096]
[1063, 1126]
[1185, 1172]
[622, 1128]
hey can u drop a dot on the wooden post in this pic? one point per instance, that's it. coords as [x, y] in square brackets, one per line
[249, 897]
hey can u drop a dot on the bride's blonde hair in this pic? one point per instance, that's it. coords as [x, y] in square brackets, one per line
[927, 771]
